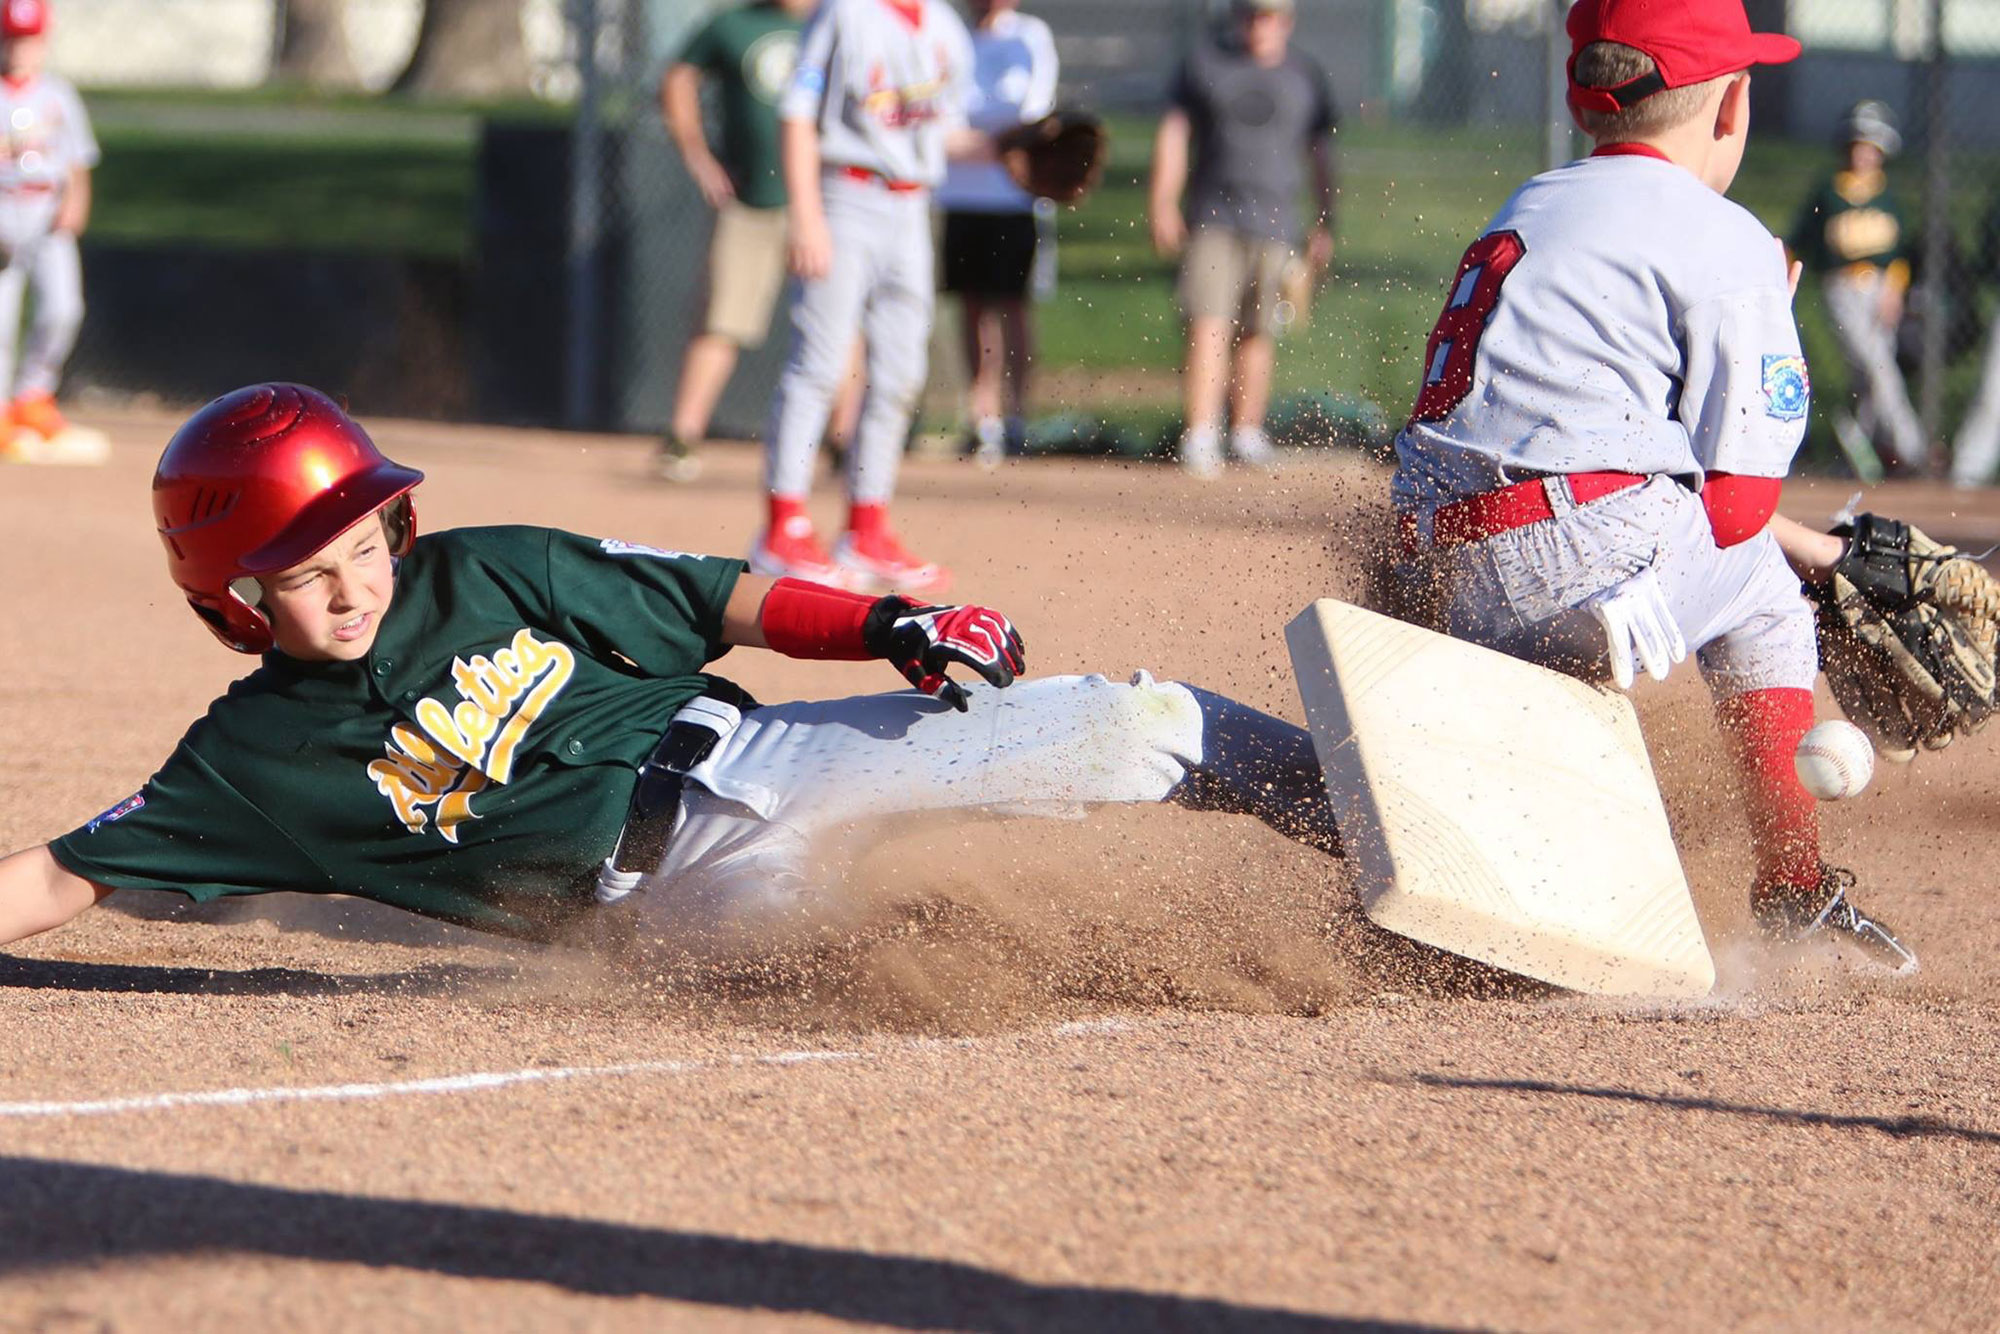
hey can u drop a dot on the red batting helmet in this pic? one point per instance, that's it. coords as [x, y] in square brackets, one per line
[23, 18]
[256, 482]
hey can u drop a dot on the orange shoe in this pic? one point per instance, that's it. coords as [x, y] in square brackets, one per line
[38, 413]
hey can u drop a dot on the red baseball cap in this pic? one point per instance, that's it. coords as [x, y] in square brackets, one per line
[1690, 41]
[23, 18]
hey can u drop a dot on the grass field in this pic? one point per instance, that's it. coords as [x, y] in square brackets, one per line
[264, 170]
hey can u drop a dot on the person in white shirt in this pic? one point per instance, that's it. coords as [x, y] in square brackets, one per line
[990, 224]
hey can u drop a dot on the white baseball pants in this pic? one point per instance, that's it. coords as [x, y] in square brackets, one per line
[756, 857]
[51, 267]
[1977, 447]
[881, 285]
[1741, 608]
[1881, 400]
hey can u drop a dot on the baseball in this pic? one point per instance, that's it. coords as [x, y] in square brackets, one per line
[1834, 760]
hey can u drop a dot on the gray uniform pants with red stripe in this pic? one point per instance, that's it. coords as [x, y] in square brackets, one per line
[1522, 591]
[882, 287]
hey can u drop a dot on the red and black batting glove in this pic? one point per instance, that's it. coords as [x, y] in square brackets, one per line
[922, 641]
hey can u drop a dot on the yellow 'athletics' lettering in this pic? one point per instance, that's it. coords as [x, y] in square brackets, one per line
[477, 740]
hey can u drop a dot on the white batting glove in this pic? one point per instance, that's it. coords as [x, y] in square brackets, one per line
[1638, 628]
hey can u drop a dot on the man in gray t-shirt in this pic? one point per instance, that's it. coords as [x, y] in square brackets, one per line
[1244, 118]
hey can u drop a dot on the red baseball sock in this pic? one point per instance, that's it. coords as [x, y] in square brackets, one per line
[1763, 728]
[867, 520]
[784, 508]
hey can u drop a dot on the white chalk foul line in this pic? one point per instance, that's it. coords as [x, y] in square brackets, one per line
[469, 1083]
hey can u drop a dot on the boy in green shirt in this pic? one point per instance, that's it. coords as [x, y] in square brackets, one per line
[746, 53]
[512, 728]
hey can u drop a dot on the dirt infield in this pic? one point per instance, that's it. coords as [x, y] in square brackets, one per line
[1138, 1072]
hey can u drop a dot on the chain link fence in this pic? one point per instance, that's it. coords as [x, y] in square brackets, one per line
[1402, 70]
[575, 294]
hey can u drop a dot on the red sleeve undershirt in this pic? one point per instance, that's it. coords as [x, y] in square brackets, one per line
[1739, 507]
[807, 620]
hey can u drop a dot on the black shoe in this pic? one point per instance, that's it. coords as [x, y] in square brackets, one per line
[675, 460]
[1824, 912]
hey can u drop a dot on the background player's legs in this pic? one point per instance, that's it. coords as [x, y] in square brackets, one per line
[1977, 447]
[1214, 273]
[1250, 395]
[746, 273]
[1256, 350]
[55, 273]
[1882, 403]
[13, 283]
[896, 324]
[998, 348]
[825, 316]
[751, 860]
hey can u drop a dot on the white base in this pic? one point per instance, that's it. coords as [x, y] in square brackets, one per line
[1497, 809]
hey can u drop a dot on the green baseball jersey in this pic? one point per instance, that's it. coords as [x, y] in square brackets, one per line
[1849, 219]
[749, 51]
[475, 766]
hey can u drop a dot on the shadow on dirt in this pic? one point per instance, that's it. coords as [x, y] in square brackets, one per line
[1902, 1127]
[438, 979]
[58, 1214]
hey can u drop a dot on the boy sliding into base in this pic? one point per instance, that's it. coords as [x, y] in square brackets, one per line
[1610, 402]
[512, 728]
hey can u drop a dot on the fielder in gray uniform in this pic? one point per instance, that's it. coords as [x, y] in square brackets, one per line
[1610, 401]
[46, 153]
[875, 107]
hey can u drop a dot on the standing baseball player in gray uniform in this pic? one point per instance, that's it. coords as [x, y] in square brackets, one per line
[46, 153]
[1610, 402]
[877, 104]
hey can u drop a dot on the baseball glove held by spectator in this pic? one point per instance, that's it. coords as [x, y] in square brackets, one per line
[1907, 632]
[1059, 157]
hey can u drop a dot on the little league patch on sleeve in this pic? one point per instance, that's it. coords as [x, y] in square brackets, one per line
[613, 547]
[1787, 388]
[118, 812]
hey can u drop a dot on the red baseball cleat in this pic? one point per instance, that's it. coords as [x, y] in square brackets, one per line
[792, 551]
[879, 562]
[38, 413]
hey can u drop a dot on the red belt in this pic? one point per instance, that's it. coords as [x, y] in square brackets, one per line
[877, 178]
[1517, 506]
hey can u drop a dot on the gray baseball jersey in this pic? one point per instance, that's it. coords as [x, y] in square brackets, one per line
[884, 81]
[46, 136]
[1617, 315]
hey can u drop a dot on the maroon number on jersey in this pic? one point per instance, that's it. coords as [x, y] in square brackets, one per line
[1475, 290]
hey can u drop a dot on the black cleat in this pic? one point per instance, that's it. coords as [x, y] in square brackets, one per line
[1824, 912]
[675, 460]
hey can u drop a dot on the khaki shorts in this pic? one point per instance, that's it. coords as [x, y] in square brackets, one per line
[1231, 275]
[746, 271]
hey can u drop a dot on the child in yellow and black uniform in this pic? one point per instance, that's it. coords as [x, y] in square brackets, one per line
[1850, 234]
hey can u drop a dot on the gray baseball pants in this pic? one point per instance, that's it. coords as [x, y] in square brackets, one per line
[883, 285]
[1740, 607]
[1881, 402]
[49, 265]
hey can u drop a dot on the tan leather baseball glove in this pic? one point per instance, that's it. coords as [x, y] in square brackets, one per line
[1907, 634]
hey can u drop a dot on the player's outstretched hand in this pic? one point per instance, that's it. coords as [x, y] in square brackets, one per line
[1639, 628]
[922, 641]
